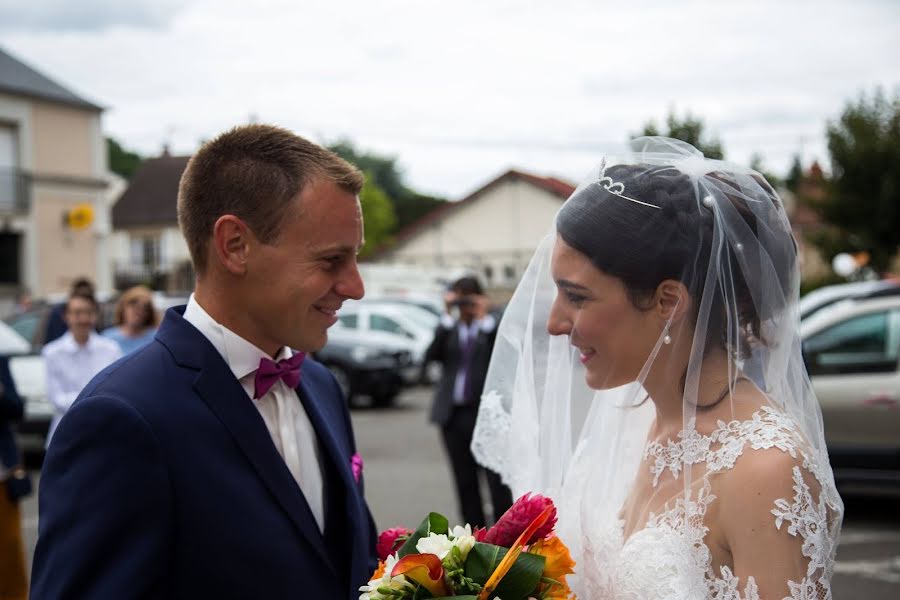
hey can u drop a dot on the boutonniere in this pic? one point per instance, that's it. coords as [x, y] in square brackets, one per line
[356, 464]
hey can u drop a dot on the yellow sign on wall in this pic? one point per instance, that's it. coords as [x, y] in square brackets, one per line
[80, 216]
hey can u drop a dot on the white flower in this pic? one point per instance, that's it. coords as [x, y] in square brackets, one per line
[439, 545]
[464, 540]
[370, 591]
[461, 531]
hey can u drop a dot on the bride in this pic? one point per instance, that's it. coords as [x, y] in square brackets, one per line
[647, 376]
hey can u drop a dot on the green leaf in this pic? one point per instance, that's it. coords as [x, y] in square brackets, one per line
[433, 523]
[522, 578]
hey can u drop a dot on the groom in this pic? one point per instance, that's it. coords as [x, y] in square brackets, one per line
[216, 462]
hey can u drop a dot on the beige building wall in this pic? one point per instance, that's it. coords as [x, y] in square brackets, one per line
[494, 235]
[63, 140]
[68, 161]
[62, 254]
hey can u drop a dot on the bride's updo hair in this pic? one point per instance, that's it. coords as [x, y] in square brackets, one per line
[644, 245]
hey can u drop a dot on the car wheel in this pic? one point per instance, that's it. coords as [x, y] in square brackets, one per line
[383, 400]
[343, 381]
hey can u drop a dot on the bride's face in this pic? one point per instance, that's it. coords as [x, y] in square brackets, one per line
[613, 337]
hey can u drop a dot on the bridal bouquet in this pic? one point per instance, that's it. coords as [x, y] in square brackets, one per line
[519, 558]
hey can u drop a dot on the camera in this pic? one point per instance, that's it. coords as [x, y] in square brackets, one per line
[461, 302]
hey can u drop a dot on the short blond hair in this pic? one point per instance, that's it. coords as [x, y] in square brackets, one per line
[252, 172]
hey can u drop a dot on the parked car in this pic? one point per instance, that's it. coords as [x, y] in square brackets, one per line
[852, 353]
[397, 326]
[434, 304]
[365, 367]
[827, 295]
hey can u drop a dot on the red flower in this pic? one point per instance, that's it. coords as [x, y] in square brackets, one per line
[478, 533]
[389, 541]
[519, 516]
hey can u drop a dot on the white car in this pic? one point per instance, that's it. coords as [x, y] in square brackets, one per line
[852, 353]
[27, 370]
[400, 326]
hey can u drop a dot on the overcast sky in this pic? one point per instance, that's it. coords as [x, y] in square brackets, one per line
[460, 91]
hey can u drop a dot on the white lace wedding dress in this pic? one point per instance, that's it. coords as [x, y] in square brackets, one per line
[669, 559]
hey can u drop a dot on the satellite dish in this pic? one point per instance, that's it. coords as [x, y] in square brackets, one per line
[844, 264]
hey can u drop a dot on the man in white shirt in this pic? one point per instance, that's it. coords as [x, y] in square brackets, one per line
[219, 461]
[72, 360]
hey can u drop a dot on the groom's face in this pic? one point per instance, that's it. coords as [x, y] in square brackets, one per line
[595, 311]
[303, 276]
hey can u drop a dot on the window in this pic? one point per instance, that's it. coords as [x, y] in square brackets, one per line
[349, 321]
[509, 272]
[386, 324]
[9, 165]
[145, 252]
[488, 273]
[864, 344]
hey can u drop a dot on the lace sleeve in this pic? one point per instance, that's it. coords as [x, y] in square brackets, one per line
[777, 519]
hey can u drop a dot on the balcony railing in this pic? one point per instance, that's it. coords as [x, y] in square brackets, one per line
[170, 277]
[15, 191]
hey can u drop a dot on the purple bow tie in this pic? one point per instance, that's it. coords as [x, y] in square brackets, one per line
[270, 371]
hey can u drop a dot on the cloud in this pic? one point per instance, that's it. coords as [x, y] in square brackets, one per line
[85, 15]
[460, 91]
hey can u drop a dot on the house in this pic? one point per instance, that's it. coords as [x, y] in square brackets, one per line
[147, 246]
[493, 231]
[54, 204]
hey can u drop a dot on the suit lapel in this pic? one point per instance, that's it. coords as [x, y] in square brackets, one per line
[322, 415]
[224, 396]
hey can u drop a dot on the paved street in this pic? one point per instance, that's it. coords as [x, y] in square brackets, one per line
[407, 476]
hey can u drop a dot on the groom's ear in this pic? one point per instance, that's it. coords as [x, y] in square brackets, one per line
[672, 300]
[232, 240]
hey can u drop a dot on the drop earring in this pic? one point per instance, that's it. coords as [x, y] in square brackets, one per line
[667, 340]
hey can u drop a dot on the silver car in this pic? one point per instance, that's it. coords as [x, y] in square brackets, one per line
[852, 353]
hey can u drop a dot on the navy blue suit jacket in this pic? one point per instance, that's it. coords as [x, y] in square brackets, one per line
[162, 481]
[11, 410]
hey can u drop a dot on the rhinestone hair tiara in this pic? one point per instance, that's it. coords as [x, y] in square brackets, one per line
[617, 188]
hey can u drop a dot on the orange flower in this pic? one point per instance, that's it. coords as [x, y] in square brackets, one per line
[424, 569]
[558, 563]
[379, 572]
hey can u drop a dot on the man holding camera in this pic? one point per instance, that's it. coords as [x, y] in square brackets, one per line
[463, 344]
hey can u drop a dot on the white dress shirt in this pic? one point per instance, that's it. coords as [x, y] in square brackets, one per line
[71, 366]
[281, 409]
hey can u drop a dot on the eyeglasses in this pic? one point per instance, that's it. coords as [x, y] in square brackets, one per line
[138, 303]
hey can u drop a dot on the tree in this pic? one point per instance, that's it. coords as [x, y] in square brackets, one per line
[690, 130]
[378, 216]
[411, 208]
[121, 161]
[862, 199]
[757, 164]
[795, 175]
[383, 171]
